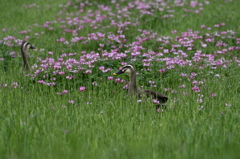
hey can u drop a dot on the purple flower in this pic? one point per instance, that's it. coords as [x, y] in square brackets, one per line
[37, 71]
[159, 110]
[200, 100]
[204, 45]
[14, 85]
[166, 89]
[118, 80]
[64, 91]
[213, 95]
[23, 32]
[125, 87]
[196, 89]
[41, 81]
[13, 54]
[151, 82]
[82, 89]
[61, 73]
[166, 51]
[184, 74]
[192, 75]
[88, 72]
[110, 78]
[61, 40]
[69, 77]
[162, 70]
[71, 101]
[194, 82]
[182, 86]
[155, 101]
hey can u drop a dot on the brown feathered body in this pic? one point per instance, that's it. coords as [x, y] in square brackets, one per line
[133, 90]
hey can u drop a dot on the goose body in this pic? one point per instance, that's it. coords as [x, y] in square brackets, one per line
[132, 88]
[25, 46]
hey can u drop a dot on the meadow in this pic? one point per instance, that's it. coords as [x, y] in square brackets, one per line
[71, 106]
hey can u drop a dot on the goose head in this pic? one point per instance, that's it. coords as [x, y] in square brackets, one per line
[26, 46]
[128, 69]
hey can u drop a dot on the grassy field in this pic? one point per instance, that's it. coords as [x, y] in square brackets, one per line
[71, 106]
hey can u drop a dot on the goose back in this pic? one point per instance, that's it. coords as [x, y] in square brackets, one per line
[156, 95]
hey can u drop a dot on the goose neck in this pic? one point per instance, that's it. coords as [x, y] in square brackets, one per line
[132, 85]
[25, 61]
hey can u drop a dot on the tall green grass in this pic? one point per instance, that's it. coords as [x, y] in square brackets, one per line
[104, 122]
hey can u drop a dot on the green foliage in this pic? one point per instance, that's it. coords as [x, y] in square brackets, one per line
[103, 122]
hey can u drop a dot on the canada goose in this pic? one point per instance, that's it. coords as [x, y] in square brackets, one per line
[132, 88]
[24, 49]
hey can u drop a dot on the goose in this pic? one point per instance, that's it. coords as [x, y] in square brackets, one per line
[132, 88]
[25, 46]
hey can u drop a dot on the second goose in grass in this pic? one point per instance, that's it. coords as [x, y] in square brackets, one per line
[132, 88]
[24, 49]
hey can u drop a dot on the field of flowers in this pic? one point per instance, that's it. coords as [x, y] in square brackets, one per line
[71, 106]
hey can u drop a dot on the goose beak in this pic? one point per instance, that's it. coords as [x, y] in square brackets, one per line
[32, 47]
[119, 72]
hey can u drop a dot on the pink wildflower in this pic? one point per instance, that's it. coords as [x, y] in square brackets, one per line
[196, 89]
[110, 78]
[71, 101]
[155, 101]
[162, 70]
[82, 89]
